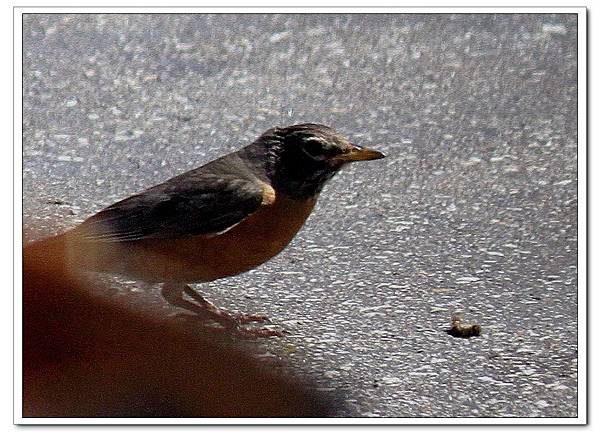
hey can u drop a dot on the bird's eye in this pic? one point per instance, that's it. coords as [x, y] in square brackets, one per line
[314, 149]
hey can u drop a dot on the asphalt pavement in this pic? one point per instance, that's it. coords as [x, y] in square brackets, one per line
[473, 212]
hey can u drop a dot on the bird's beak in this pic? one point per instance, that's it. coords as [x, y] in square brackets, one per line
[359, 153]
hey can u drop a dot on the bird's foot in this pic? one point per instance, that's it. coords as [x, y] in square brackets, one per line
[236, 330]
[246, 318]
[221, 315]
[232, 321]
[261, 332]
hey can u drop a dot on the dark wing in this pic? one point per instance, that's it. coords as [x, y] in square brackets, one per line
[207, 200]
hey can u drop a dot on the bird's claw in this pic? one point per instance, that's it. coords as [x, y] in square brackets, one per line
[245, 318]
[236, 325]
[261, 332]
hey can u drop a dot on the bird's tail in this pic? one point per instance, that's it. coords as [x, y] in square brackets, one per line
[70, 254]
[48, 255]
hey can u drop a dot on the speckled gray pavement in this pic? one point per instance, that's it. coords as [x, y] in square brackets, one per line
[472, 212]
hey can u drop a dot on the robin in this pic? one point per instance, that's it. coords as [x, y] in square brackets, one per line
[219, 220]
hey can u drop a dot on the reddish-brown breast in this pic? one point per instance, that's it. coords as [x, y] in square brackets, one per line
[250, 243]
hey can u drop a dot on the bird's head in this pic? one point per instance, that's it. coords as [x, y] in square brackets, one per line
[302, 158]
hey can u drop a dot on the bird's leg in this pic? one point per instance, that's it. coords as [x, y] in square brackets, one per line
[220, 314]
[173, 294]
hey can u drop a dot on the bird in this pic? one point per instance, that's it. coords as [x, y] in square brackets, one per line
[219, 220]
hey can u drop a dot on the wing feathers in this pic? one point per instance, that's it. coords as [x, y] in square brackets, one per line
[209, 200]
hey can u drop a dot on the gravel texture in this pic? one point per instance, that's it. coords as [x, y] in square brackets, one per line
[474, 211]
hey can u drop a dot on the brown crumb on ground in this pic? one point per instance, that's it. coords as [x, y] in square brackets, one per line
[460, 330]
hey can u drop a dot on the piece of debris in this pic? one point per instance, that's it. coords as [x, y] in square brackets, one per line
[290, 348]
[56, 202]
[460, 330]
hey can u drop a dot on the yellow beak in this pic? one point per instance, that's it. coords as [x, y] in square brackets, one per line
[359, 153]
